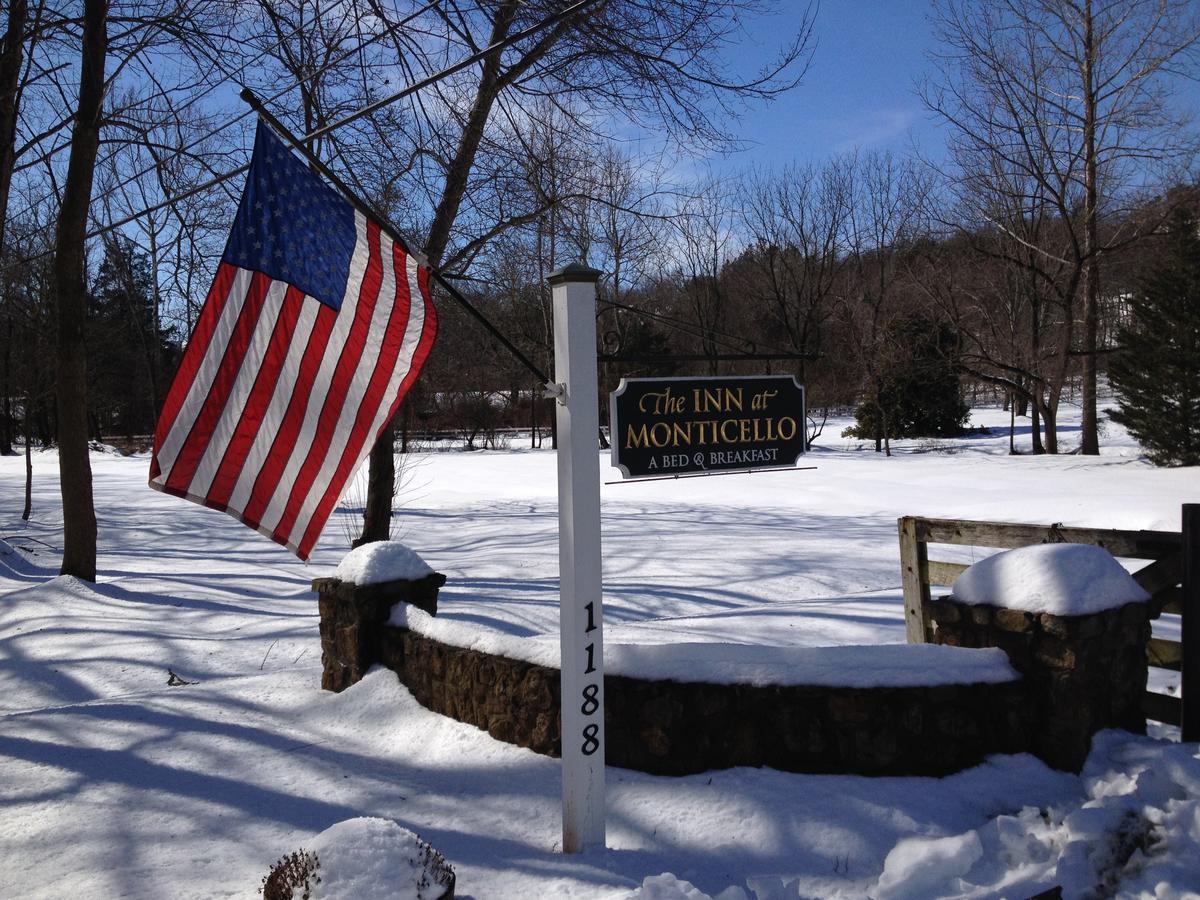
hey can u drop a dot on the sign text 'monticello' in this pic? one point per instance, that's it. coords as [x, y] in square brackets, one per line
[673, 426]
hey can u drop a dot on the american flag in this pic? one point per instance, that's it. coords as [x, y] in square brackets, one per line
[315, 327]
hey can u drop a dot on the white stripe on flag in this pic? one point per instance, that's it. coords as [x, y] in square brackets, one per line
[272, 420]
[239, 392]
[412, 338]
[202, 383]
[316, 399]
[356, 390]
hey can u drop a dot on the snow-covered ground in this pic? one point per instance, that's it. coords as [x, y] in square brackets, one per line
[114, 783]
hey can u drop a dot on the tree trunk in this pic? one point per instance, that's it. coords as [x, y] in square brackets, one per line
[11, 57]
[377, 517]
[28, 511]
[6, 426]
[1036, 385]
[1050, 417]
[1035, 430]
[1011, 400]
[75, 470]
[381, 486]
[1091, 273]
[460, 166]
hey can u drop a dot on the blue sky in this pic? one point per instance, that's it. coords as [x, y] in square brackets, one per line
[859, 90]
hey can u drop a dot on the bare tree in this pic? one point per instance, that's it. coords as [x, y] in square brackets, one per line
[70, 288]
[706, 242]
[796, 222]
[13, 72]
[888, 199]
[1007, 284]
[1075, 96]
[93, 103]
[656, 61]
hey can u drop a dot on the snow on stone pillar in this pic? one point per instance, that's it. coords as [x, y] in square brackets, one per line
[1074, 623]
[356, 603]
[581, 621]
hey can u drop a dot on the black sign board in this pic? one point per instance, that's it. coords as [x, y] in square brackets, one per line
[673, 426]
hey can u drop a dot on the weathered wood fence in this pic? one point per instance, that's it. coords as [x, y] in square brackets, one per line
[1171, 577]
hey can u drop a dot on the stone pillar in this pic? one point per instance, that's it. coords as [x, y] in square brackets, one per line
[1083, 673]
[353, 618]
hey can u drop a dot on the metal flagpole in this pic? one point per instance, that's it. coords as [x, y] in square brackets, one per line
[475, 57]
[581, 617]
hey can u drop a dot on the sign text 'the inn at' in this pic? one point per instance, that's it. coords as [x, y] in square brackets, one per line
[676, 426]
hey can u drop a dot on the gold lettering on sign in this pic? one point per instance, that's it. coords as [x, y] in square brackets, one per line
[720, 400]
[660, 403]
[760, 400]
[703, 432]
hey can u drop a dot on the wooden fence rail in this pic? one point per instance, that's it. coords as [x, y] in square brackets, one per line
[1171, 577]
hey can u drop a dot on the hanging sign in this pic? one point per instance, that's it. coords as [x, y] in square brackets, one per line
[676, 426]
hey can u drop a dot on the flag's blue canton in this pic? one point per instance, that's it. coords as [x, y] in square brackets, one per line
[291, 226]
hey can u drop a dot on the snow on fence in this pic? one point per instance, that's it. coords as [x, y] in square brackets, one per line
[1169, 554]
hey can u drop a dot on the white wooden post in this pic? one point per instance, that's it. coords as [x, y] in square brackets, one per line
[580, 608]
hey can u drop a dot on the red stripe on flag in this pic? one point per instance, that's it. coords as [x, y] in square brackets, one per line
[428, 332]
[192, 449]
[189, 364]
[348, 363]
[257, 401]
[373, 399]
[424, 347]
[276, 459]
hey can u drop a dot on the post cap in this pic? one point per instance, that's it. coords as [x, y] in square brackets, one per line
[574, 272]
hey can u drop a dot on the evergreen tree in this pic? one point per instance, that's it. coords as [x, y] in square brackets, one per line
[127, 351]
[919, 393]
[1156, 376]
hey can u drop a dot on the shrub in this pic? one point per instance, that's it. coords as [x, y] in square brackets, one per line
[294, 872]
[918, 392]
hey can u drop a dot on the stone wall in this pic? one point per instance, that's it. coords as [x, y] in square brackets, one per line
[1084, 673]
[1080, 674]
[675, 728]
[511, 700]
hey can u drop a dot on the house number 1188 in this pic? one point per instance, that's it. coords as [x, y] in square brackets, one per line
[591, 692]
